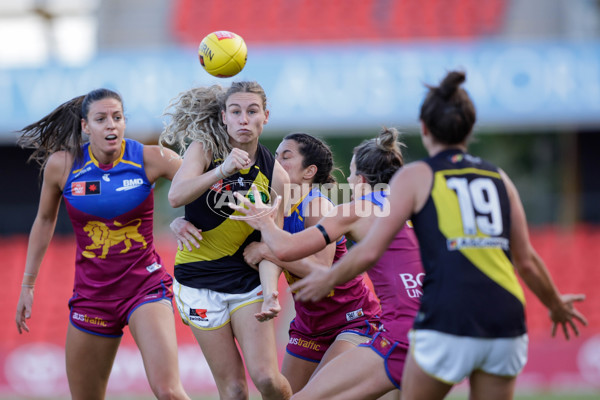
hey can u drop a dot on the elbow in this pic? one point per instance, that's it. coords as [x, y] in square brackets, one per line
[364, 256]
[282, 254]
[174, 200]
[525, 264]
[370, 258]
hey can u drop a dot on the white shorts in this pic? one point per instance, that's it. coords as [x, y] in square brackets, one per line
[206, 309]
[451, 358]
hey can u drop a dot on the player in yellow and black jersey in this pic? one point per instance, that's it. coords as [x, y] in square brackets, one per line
[218, 295]
[472, 233]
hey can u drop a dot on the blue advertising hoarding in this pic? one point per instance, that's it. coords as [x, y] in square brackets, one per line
[520, 85]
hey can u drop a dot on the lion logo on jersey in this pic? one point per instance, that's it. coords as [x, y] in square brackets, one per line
[104, 238]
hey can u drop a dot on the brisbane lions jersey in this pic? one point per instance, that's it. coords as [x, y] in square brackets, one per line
[111, 209]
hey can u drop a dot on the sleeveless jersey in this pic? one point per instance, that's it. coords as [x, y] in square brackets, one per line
[111, 209]
[350, 302]
[470, 286]
[397, 278]
[219, 262]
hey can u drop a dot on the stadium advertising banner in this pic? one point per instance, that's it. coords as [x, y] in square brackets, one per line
[515, 85]
[33, 364]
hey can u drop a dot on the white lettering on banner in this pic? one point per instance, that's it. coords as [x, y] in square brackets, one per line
[588, 360]
[194, 370]
[128, 372]
[37, 369]
[513, 85]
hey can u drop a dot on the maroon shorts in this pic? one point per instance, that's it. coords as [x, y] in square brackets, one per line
[109, 317]
[313, 347]
[393, 353]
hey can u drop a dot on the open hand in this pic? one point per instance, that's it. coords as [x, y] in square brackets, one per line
[186, 233]
[567, 314]
[270, 307]
[256, 214]
[24, 309]
[314, 286]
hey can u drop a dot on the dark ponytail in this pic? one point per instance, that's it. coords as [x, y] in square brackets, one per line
[314, 152]
[58, 131]
[379, 158]
[447, 111]
[61, 129]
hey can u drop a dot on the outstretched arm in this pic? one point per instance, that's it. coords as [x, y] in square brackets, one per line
[290, 247]
[532, 269]
[270, 272]
[364, 254]
[41, 232]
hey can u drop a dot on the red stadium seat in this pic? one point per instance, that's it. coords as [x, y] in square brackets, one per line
[282, 21]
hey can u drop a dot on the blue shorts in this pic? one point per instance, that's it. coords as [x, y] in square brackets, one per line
[109, 317]
[393, 353]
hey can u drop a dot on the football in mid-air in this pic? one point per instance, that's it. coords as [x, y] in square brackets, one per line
[223, 54]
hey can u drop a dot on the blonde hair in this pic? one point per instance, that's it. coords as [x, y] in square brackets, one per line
[195, 115]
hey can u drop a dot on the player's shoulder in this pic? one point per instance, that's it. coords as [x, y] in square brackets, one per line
[59, 160]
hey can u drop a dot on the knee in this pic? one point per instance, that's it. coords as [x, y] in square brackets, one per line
[234, 391]
[169, 392]
[265, 383]
[269, 384]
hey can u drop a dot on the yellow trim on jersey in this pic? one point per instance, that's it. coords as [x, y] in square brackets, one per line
[117, 161]
[84, 165]
[493, 262]
[226, 238]
[295, 207]
[465, 171]
[130, 163]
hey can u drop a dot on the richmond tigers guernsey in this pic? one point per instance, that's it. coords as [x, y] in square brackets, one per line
[111, 209]
[219, 262]
[470, 286]
[349, 303]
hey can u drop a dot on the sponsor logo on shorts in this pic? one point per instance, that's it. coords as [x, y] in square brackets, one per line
[88, 320]
[383, 343]
[352, 315]
[307, 344]
[153, 267]
[198, 314]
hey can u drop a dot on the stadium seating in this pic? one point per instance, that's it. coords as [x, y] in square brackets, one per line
[571, 257]
[311, 21]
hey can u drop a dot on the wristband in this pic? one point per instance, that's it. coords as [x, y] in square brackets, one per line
[324, 233]
[219, 172]
[27, 286]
